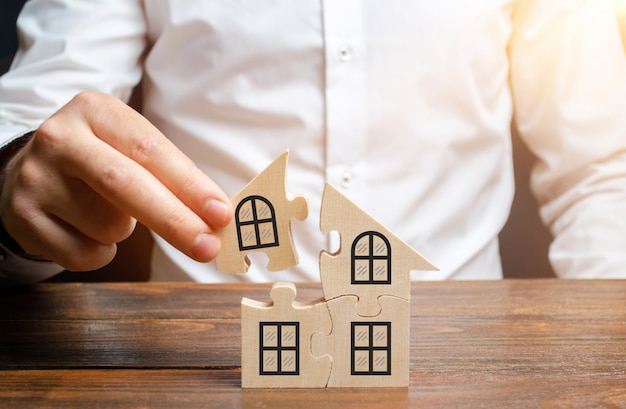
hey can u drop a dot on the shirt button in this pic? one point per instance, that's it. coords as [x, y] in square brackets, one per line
[346, 179]
[344, 53]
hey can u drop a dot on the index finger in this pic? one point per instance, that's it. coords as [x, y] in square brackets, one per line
[133, 135]
[134, 190]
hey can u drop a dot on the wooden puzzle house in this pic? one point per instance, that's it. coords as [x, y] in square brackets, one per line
[358, 334]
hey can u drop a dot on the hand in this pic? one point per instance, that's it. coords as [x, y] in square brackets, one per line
[94, 168]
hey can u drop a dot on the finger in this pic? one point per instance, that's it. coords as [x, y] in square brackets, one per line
[42, 234]
[38, 185]
[84, 253]
[134, 190]
[87, 211]
[130, 133]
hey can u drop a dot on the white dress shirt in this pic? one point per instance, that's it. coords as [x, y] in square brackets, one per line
[405, 106]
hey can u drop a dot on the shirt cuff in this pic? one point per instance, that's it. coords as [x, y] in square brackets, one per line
[18, 269]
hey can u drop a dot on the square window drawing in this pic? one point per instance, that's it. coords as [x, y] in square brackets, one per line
[371, 348]
[279, 348]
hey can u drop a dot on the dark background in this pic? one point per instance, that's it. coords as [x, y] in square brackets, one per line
[9, 10]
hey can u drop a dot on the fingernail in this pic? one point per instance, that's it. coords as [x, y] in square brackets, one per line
[205, 247]
[217, 213]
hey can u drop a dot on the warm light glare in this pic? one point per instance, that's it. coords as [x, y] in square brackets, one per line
[620, 11]
[620, 6]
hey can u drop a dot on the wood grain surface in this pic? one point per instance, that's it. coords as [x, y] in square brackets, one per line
[512, 343]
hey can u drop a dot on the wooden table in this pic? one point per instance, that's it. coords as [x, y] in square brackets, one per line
[501, 344]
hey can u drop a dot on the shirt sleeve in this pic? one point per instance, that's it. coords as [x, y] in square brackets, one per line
[69, 46]
[66, 46]
[568, 77]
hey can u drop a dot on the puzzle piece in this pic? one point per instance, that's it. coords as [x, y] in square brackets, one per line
[276, 341]
[263, 213]
[371, 261]
[367, 351]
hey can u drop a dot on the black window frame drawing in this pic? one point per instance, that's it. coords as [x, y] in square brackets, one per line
[255, 221]
[279, 348]
[371, 258]
[370, 348]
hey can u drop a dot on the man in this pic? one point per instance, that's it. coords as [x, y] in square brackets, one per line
[405, 106]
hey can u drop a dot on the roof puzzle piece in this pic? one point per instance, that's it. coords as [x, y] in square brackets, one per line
[371, 261]
[263, 212]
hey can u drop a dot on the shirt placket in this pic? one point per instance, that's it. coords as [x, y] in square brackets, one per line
[345, 93]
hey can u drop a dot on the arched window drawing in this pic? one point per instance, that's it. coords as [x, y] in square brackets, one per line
[256, 223]
[371, 259]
